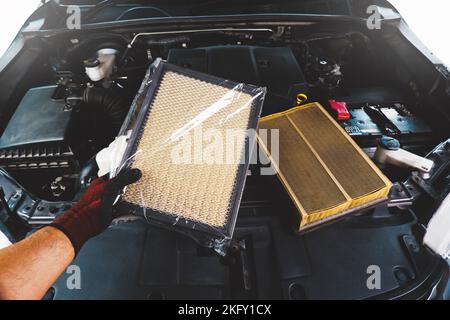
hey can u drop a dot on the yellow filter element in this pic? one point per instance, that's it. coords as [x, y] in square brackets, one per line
[325, 172]
[191, 150]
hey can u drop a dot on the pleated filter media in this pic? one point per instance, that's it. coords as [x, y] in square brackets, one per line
[179, 188]
[324, 171]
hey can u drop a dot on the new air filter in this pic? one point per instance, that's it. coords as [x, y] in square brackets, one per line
[324, 171]
[190, 141]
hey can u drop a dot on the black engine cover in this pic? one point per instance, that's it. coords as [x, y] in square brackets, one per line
[275, 68]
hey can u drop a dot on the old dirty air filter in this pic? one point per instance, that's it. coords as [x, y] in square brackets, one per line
[179, 187]
[324, 171]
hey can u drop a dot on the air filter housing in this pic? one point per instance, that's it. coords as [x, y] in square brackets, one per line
[180, 142]
[39, 134]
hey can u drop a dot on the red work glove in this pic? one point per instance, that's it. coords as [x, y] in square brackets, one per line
[93, 212]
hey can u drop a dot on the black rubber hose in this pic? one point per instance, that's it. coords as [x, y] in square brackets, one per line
[109, 103]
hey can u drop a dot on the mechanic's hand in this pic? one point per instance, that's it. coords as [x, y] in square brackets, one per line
[93, 212]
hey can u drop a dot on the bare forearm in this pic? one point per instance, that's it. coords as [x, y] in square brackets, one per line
[29, 267]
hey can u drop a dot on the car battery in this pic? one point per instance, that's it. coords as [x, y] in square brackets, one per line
[368, 122]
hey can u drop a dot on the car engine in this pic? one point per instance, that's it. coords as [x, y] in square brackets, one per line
[69, 94]
[56, 129]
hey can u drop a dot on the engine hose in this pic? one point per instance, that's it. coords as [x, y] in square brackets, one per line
[109, 103]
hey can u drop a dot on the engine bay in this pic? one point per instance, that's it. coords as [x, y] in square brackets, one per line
[50, 139]
[84, 86]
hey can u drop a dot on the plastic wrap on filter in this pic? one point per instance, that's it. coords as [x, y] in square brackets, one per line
[192, 137]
